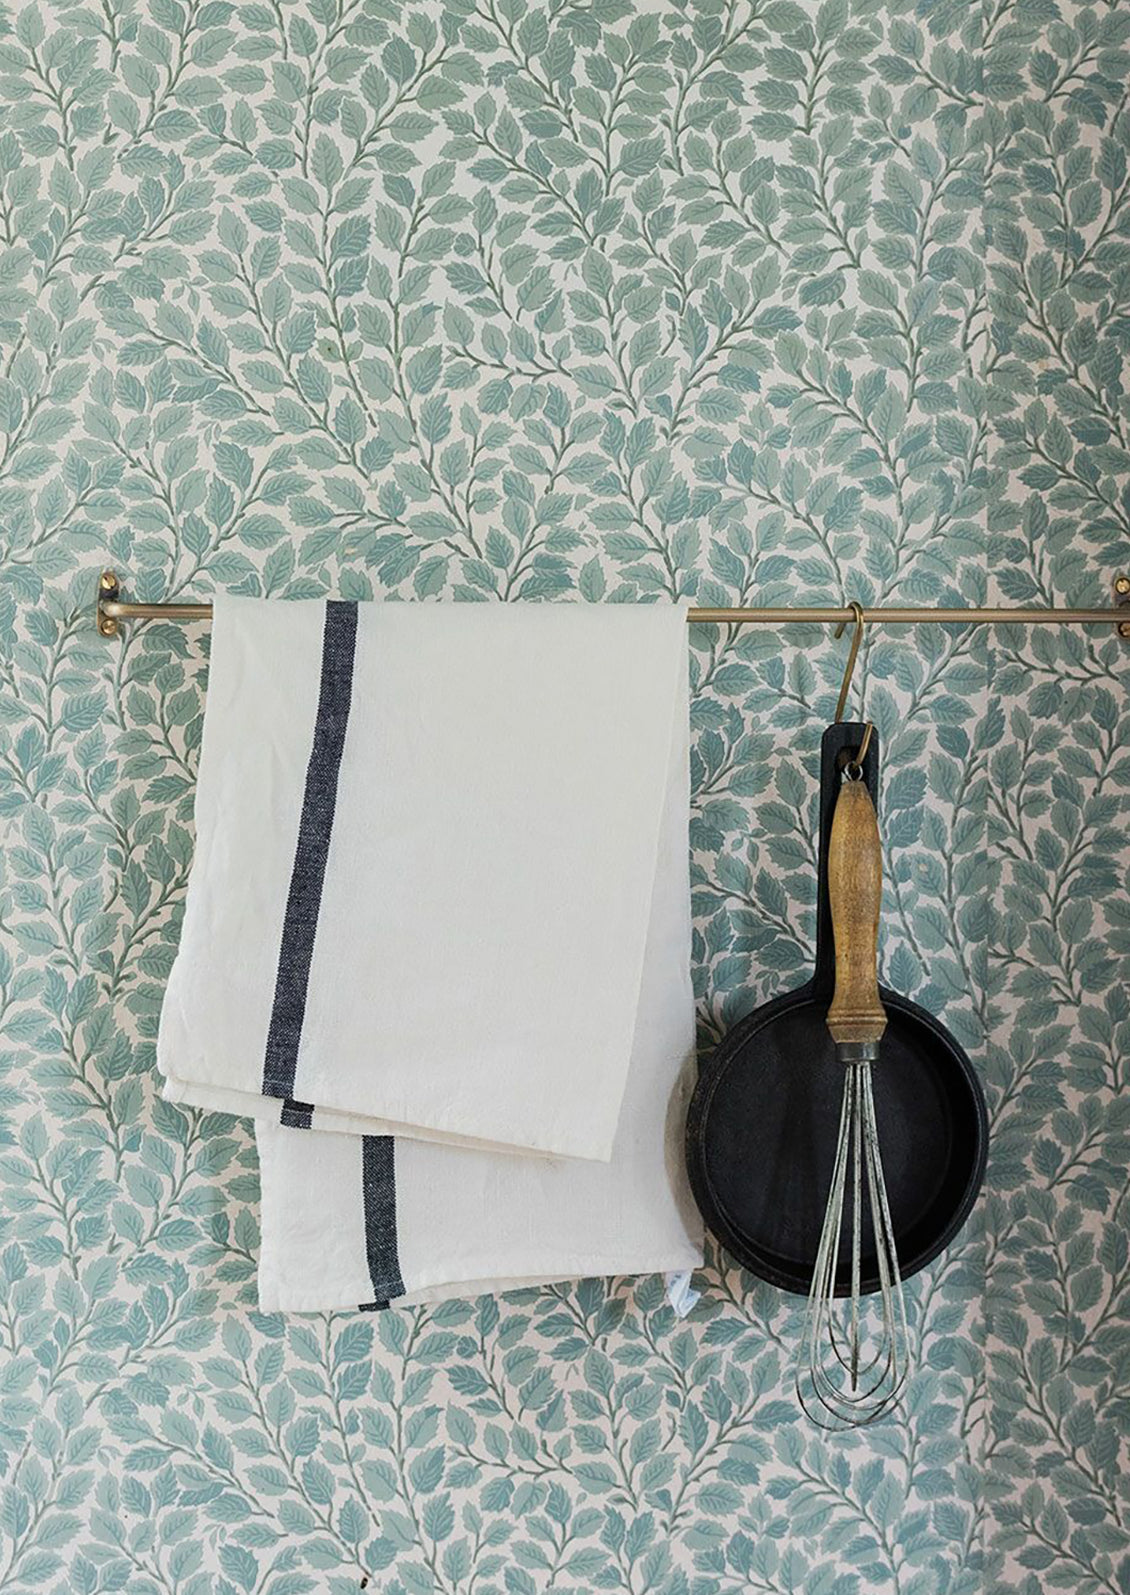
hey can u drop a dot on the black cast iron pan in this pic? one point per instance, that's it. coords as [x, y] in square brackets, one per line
[761, 1129]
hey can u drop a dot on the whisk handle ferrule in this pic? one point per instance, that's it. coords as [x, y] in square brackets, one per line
[849, 1052]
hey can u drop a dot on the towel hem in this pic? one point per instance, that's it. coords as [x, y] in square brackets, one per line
[347, 1298]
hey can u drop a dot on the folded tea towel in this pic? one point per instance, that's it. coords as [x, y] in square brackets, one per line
[352, 1221]
[425, 853]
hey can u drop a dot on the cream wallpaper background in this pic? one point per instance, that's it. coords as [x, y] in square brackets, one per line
[480, 300]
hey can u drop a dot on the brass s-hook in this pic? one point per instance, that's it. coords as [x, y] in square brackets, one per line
[854, 767]
[857, 637]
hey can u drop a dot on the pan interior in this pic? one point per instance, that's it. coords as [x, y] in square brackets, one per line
[768, 1141]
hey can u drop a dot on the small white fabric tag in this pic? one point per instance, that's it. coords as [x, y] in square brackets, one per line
[680, 1294]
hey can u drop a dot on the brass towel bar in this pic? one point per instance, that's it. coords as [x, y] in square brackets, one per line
[111, 609]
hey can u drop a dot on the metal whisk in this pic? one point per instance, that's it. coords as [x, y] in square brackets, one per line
[850, 1371]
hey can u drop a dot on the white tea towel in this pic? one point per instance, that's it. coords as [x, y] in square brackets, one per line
[351, 1221]
[425, 853]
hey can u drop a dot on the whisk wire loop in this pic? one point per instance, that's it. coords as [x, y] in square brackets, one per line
[857, 1383]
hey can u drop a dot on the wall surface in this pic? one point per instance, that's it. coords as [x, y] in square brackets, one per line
[483, 300]
[1056, 992]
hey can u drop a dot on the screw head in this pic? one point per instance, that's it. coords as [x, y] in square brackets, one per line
[108, 581]
[1122, 584]
[1124, 628]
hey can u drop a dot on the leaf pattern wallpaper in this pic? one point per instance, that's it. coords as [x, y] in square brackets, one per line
[754, 301]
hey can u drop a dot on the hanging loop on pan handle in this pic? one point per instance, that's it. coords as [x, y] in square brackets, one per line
[853, 769]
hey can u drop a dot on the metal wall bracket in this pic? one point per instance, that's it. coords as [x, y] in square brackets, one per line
[1122, 599]
[109, 592]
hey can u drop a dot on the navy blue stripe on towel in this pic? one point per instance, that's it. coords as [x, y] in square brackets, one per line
[297, 1115]
[339, 639]
[378, 1186]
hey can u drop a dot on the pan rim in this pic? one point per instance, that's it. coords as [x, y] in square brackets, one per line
[712, 1071]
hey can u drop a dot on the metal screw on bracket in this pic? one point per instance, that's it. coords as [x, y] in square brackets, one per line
[108, 591]
[1122, 597]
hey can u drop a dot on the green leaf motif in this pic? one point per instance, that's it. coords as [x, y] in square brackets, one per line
[774, 304]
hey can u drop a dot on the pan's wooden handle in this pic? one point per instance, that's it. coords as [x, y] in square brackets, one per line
[855, 890]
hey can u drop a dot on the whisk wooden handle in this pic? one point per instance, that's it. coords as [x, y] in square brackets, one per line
[855, 889]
